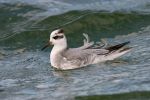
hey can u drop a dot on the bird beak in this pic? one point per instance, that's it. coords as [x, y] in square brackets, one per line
[47, 45]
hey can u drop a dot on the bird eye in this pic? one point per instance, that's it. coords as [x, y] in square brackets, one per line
[58, 37]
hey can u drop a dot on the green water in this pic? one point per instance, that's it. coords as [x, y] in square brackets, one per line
[96, 24]
[123, 96]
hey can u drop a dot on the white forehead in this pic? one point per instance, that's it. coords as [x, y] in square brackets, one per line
[54, 32]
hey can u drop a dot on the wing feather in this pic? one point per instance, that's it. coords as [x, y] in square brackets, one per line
[84, 54]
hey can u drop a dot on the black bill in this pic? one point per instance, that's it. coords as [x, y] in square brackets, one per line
[47, 45]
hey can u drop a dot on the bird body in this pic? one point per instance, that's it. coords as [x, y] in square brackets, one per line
[64, 58]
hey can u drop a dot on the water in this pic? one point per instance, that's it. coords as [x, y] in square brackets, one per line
[25, 72]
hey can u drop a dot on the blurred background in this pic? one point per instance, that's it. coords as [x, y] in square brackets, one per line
[25, 71]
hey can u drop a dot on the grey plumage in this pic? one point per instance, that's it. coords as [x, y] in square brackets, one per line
[65, 58]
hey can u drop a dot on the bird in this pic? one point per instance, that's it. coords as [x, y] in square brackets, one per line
[64, 58]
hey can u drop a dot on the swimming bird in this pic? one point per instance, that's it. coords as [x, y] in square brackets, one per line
[64, 58]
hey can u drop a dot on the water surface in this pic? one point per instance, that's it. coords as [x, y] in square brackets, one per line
[25, 71]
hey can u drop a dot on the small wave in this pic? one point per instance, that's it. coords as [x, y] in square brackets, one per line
[54, 7]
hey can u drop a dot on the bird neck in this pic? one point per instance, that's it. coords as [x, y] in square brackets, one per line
[58, 48]
[56, 54]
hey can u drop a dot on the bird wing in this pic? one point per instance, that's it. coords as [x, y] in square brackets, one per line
[90, 44]
[81, 56]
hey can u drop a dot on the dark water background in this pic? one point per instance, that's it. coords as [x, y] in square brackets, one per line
[25, 72]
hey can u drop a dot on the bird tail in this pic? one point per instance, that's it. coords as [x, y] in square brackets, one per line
[116, 47]
[117, 50]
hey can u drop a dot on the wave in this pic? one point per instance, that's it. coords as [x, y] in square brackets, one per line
[53, 7]
[32, 17]
[97, 25]
[27, 13]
